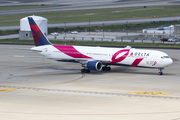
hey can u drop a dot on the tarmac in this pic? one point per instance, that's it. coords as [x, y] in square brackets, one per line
[37, 88]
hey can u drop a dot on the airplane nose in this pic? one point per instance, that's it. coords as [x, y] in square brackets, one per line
[167, 62]
[170, 61]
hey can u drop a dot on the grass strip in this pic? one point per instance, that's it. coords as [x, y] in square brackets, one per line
[25, 7]
[97, 15]
[113, 28]
[95, 43]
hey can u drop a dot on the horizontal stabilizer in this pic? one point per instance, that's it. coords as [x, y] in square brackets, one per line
[81, 59]
[29, 56]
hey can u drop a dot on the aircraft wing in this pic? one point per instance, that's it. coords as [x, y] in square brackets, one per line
[82, 59]
[20, 48]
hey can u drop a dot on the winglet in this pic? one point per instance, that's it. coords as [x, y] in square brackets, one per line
[39, 37]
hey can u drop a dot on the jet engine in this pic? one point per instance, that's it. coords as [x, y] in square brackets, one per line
[94, 65]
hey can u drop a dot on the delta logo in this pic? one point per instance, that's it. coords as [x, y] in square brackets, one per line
[141, 54]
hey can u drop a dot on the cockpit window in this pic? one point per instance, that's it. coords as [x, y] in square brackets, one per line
[165, 57]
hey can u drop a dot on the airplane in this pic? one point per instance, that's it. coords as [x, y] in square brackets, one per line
[97, 58]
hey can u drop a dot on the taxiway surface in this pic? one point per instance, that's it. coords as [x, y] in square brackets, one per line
[69, 5]
[46, 89]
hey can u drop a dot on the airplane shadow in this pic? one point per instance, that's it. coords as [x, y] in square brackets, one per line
[130, 70]
[57, 70]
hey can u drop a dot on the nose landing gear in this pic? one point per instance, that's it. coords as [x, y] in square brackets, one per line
[161, 72]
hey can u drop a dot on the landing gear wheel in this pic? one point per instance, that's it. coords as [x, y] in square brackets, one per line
[85, 71]
[160, 73]
[88, 71]
[103, 68]
[106, 68]
[82, 70]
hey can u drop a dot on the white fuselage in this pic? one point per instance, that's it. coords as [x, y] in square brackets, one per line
[108, 56]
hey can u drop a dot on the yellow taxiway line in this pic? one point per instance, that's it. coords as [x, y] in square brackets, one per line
[6, 90]
[149, 93]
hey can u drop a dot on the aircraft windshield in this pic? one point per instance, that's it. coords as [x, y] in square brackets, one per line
[165, 57]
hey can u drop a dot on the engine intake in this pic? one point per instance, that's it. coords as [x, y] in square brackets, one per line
[94, 65]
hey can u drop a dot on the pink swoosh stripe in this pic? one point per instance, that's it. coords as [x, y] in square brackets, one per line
[115, 60]
[154, 63]
[136, 62]
[71, 51]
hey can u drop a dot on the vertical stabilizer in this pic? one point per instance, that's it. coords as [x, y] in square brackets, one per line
[39, 37]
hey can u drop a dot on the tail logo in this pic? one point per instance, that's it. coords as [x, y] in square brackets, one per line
[36, 34]
[39, 37]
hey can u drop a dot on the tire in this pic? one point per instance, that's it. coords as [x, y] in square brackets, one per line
[85, 71]
[106, 68]
[82, 70]
[160, 73]
[103, 68]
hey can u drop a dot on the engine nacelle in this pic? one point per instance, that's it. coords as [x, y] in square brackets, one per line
[94, 65]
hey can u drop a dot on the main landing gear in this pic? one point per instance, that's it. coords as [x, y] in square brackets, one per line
[105, 68]
[85, 71]
[161, 72]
